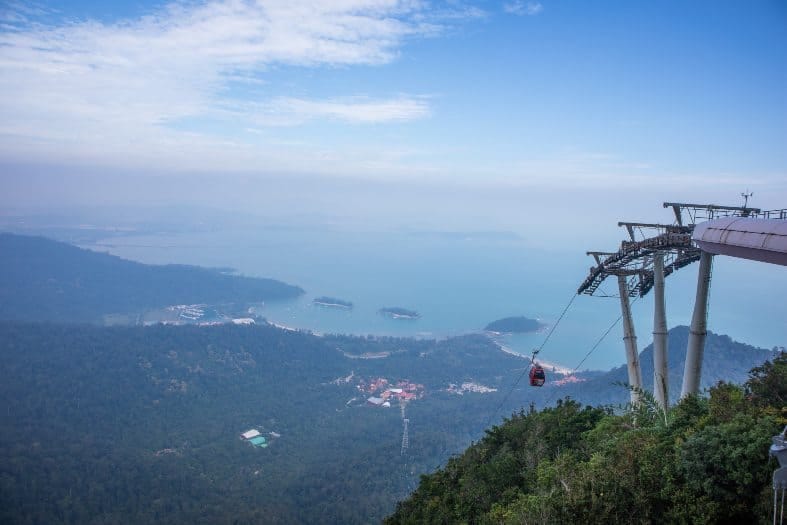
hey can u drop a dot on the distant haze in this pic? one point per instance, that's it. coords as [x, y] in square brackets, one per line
[443, 112]
[547, 120]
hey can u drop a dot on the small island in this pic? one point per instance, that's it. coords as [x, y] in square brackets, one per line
[396, 312]
[332, 302]
[514, 325]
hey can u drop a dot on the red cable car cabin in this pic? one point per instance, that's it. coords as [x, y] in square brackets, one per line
[537, 376]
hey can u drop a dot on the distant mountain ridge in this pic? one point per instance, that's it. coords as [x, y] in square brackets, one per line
[42, 279]
[724, 360]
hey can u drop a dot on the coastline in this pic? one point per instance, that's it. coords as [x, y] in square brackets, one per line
[291, 329]
[398, 313]
[402, 316]
[282, 326]
[554, 367]
[508, 349]
[333, 305]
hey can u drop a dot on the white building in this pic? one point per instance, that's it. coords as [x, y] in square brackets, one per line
[250, 433]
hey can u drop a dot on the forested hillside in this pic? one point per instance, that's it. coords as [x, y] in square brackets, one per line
[41, 279]
[141, 424]
[704, 461]
[724, 360]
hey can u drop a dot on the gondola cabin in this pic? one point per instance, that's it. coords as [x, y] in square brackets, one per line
[537, 376]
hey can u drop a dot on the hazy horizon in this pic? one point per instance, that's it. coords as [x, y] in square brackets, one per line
[470, 111]
[549, 120]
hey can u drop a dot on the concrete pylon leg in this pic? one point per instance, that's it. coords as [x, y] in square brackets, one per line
[699, 329]
[630, 340]
[660, 380]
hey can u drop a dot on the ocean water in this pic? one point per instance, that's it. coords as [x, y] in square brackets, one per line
[459, 283]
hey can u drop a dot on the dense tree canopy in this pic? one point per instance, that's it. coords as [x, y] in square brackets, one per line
[141, 424]
[519, 324]
[703, 461]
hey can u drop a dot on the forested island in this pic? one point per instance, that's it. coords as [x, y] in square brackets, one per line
[397, 312]
[332, 302]
[514, 325]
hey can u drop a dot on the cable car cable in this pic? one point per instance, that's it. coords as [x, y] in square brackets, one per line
[593, 348]
[535, 352]
[552, 330]
[532, 360]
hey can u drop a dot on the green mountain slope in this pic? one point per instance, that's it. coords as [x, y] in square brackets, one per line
[724, 360]
[141, 424]
[41, 279]
[705, 461]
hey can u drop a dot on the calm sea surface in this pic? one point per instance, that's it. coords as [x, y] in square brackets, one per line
[460, 283]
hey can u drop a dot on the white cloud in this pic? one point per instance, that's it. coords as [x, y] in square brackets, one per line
[519, 7]
[291, 111]
[13, 12]
[117, 86]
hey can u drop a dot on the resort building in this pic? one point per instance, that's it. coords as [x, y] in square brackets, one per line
[249, 434]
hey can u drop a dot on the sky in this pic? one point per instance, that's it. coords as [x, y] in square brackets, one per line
[508, 114]
[551, 119]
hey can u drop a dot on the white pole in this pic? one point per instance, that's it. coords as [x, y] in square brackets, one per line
[660, 380]
[699, 329]
[630, 340]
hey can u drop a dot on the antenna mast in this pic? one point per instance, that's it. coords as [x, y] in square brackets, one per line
[746, 194]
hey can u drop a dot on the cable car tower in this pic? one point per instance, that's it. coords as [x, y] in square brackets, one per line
[699, 232]
[405, 437]
[405, 430]
[642, 265]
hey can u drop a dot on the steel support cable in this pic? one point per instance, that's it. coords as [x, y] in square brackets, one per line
[532, 360]
[593, 348]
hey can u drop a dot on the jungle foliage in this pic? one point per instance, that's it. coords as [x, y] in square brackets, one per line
[141, 424]
[514, 325]
[702, 461]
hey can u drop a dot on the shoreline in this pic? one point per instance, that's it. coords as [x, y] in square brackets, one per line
[282, 326]
[333, 305]
[556, 368]
[508, 350]
[402, 316]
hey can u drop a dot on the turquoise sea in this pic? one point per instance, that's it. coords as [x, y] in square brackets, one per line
[459, 283]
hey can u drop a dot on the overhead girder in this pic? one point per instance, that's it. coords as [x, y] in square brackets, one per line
[739, 231]
[635, 258]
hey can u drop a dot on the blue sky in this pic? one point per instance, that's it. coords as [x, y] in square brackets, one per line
[550, 119]
[651, 100]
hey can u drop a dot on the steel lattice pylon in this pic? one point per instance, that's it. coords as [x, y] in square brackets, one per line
[634, 259]
[667, 248]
